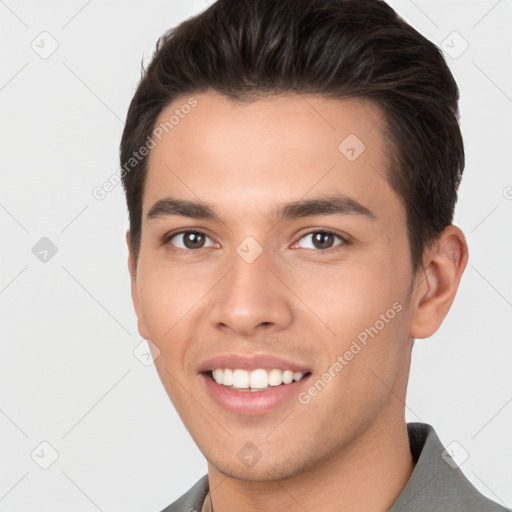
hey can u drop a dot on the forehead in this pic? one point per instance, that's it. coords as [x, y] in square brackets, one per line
[268, 151]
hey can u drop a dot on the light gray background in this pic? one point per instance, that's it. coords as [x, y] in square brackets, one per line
[68, 374]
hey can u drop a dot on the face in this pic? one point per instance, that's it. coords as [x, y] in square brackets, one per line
[271, 240]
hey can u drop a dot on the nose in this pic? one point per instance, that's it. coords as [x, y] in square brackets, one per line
[252, 297]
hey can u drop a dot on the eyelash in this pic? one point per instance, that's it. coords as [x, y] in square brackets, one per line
[344, 240]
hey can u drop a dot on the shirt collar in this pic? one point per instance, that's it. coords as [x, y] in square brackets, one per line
[437, 482]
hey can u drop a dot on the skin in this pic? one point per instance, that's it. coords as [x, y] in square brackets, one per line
[293, 300]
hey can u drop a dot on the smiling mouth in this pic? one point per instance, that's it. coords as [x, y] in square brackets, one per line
[257, 380]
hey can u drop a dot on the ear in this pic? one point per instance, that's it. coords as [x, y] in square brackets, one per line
[132, 268]
[437, 282]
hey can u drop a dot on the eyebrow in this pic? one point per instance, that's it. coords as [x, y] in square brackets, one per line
[334, 204]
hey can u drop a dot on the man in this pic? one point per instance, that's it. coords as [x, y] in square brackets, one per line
[291, 171]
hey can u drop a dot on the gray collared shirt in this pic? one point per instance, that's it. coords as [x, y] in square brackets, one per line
[436, 484]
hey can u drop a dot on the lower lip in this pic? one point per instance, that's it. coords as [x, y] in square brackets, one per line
[252, 403]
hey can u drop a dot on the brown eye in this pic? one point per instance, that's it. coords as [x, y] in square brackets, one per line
[193, 240]
[321, 240]
[190, 240]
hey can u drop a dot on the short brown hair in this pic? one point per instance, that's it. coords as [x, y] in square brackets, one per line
[342, 49]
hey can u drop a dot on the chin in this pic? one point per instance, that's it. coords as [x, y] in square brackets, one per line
[266, 469]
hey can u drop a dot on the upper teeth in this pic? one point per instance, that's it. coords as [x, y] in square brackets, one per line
[257, 379]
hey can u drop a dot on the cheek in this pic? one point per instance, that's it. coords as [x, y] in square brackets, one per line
[157, 304]
[166, 295]
[364, 311]
[172, 301]
[349, 298]
[165, 304]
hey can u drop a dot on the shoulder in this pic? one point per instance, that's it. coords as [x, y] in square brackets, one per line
[192, 500]
[437, 482]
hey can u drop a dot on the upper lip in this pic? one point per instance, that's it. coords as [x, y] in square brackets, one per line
[250, 362]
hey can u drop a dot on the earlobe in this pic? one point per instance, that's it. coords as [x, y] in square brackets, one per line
[436, 285]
